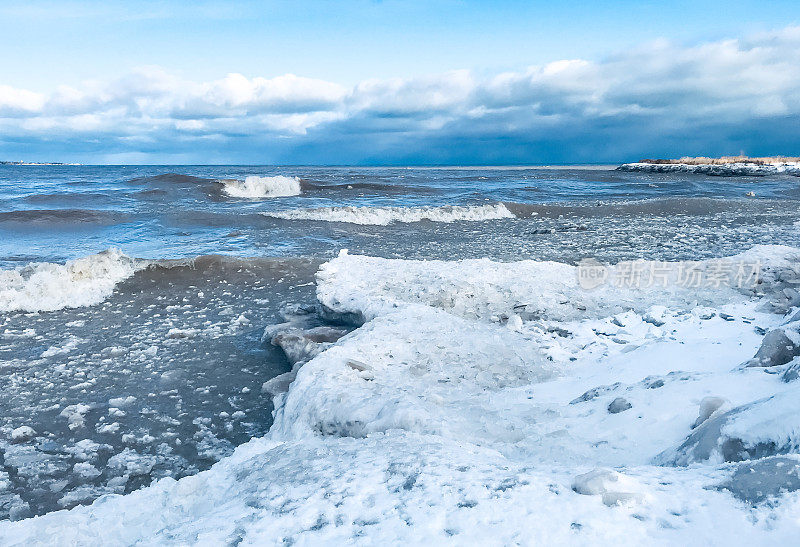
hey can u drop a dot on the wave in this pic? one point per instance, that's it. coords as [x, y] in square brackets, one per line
[61, 198]
[170, 178]
[44, 286]
[254, 187]
[382, 216]
[666, 206]
[73, 216]
[376, 187]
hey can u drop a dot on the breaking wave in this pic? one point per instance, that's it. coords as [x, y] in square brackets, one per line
[254, 187]
[44, 286]
[382, 216]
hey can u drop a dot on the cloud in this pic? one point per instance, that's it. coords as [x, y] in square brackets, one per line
[657, 99]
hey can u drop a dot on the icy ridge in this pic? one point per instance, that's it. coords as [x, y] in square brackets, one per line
[483, 289]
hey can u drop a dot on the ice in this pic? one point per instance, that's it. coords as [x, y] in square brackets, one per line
[383, 216]
[485, 289]
[758, 481]
[614, 487]
[710, 406]
[76, 415]
[778, 348]
[254, 187]
[620, 404]
[122, 402]
[87, 450]
[86, 470]
[300, 345]
[765, 427]
[22, 433]
[728, 169]
[131, 462]
[471, 406]
[82, 282]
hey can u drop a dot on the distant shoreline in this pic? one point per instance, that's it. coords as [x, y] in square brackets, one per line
[35, 163]
[724, 160]
[722, 166]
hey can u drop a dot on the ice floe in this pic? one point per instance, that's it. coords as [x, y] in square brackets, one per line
[473, 406]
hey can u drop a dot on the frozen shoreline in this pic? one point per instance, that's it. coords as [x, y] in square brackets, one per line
[727, 169]
[475, 404]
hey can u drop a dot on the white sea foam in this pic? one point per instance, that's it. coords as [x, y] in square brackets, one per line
[382, 216]
[44, 286]
[460, 422]
[254, 187]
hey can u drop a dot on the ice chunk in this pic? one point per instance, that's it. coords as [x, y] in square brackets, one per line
[22, 434]
[122, 402]
[618, 405]
[614, 487]
[708, 407]
[301, 345]
[132, 463]
[792, 373]
[766, 427]
[778, 348]
[76, 415]
[86, 470]
[758, 481]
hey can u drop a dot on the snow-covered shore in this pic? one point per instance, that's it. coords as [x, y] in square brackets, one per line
[501, 403]
[725, 170]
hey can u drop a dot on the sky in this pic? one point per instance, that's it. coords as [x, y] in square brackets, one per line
[397, 82]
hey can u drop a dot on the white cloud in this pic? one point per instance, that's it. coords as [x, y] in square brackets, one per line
[730, 81]
[19, 101]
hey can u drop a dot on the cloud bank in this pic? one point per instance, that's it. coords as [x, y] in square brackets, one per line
[739, 95]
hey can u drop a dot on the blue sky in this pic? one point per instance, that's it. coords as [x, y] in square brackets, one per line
[337, 81]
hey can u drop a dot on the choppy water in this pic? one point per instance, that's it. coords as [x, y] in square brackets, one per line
[163, 377]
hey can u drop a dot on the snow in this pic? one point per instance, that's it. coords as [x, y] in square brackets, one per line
[383, 216]
[472, 407]
[83, 282]
[254, 187]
